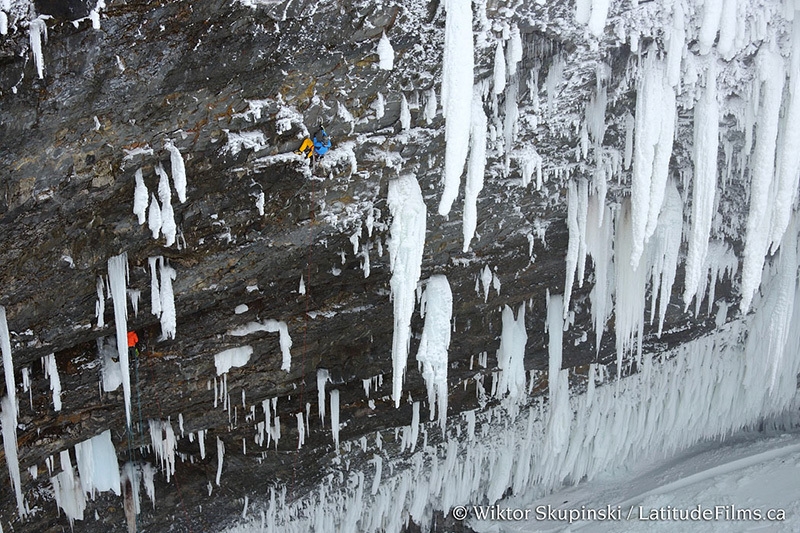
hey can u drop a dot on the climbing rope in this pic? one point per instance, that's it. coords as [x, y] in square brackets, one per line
[309, 260]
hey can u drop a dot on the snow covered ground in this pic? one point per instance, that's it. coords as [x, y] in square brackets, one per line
[712, 486]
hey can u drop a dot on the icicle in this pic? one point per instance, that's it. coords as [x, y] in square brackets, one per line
[631, 284]
[712, 11]
[301, 430]
[154, 221]
[788, 165]
[457, 79]
[772, 75]
[405, 253]
[499, 69]
[178, 169]
[220, 457]
[8, 420]
[168, 227]
[655, 127]
[677, 42]
[437, 302]
[155, 290]
[430, 106]
[335, 418]
[162, 438]
[101, 304]
[405, 114]
[51, 370]
[597, 20]
[37, 31]
[140, 198]
[323, 376]
[475, 169]
[514, 51]
[167, 298]
[8, 364]
[667, 242]
[117, 278]
[560, 416]
[511, 354]
[706, 148]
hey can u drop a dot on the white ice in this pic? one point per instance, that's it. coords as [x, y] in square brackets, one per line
[457, 79]
[405, 259]
[437, 308]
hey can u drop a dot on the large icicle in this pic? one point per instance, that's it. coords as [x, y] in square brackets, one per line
[37, 31]
[712, 12]
[8, 362]
[704, 186]
[178, 169]
[437, 308]
[167, 299]
[781, 302]
[631, 284]
[140, 198]
[788, 166]
[655, 127]
[51, 371]
[168, 227]
[117, 279]
[8, 419]
[475, 168]
[405, 259]
[97, 464]
[772, 76]
[577, 206]
[511, 354]
[457, 78]
[666, 245]
[560, 416]
[597, 20]
[599, 245]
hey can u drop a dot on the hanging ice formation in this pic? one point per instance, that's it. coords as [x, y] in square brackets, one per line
[593, 13]
[457, 79]
[98, 471]
[118, 279]
[655, 127]
[168, 227]
[178, 169]
[37, 32]
[769, 85]
[560, 413]
[140, 198]
[475, 168]
[271, 326]
[51, 371]
[511, 355]
[162, 297]
[704, 185]
[405, 259]
[9, 413]
[437, 308]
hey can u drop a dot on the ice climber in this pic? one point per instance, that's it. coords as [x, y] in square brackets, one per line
[133, 340]
[319, 146]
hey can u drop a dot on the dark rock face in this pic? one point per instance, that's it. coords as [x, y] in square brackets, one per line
[203, 74]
